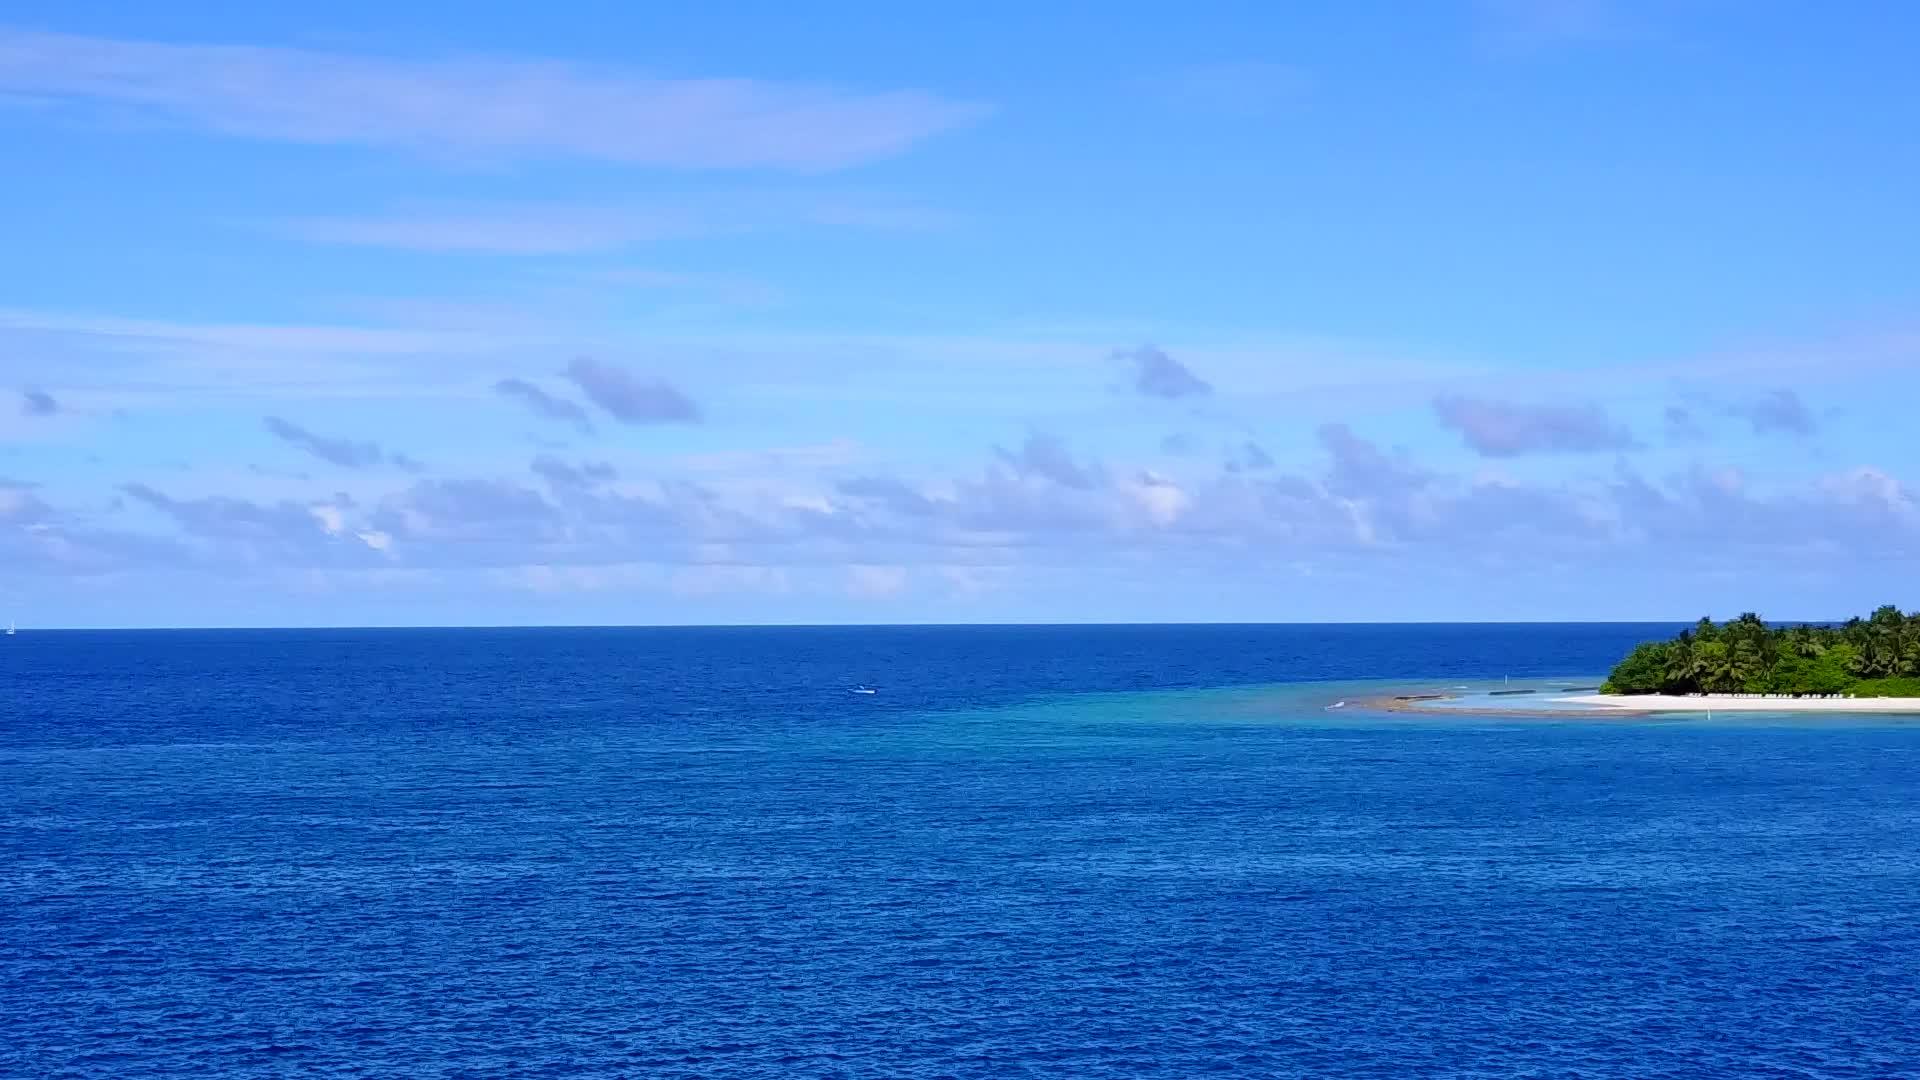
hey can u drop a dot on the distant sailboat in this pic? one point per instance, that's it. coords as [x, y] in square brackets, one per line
[9, 627]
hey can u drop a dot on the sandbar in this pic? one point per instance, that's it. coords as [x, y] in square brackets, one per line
[1431, 705]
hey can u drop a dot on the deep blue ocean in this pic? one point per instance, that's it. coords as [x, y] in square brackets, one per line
[1105, 852]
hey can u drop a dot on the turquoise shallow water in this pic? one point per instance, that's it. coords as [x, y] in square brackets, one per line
[1071, 852]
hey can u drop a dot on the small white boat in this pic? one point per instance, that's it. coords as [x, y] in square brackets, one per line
[9, 627]
[863, 690]
[1338, 705]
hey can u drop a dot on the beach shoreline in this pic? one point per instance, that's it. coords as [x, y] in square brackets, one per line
[1590, 706]
[1642, 704]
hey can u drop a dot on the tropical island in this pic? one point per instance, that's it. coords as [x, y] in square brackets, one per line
[1874, 657]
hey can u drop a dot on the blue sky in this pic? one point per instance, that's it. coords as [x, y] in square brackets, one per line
[1515, 309]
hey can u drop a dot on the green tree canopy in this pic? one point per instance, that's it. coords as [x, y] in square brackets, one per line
[1875, 656]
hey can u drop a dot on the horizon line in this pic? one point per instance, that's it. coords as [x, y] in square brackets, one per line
[896, 625]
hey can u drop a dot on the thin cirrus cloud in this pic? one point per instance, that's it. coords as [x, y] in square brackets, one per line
[38, 403]
[630, 398]
[1046, 457]
[1361, 468]
[1535, 24]
[1778, 412]
[1681, 427]
[494, 231]
[563, 477]
[346, 453]
[1249, 457]
[542, 403]
[570, 229]
[1509, 429]
[1156, 374]
[487, 107]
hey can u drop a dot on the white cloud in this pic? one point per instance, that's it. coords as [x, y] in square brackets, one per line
[477, 106]
[1161, 498]
[330, 518]
[870, 538]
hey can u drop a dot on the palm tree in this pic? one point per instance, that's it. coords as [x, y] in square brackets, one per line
[1879, 658]
[1714, 666]
[1681, 670]
[1745, 663]
[1751, 641]
[1803, 641]
[1908, 636]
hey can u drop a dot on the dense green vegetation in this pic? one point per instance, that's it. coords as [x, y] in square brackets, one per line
[1878, 656]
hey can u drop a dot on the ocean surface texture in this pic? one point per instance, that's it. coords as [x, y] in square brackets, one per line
[1034, 852]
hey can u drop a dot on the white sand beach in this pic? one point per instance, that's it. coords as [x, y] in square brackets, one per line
[1737, 703]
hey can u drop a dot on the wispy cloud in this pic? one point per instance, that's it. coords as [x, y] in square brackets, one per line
[630, 398]
[729, 289]
[542, 228]
[1360, 469]
[533, 230]
[541, 402]
[1536, 24]
[1249, 457]
[1776, 412]
[1780, 411]
[562, 477]
[1681, 426]
[38, 403]
[478, 106]
[346, 453]
[1156, 374]
[889, 492]
[1046, 457]
[251, 337]
[1508, 429]
[284, 531]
